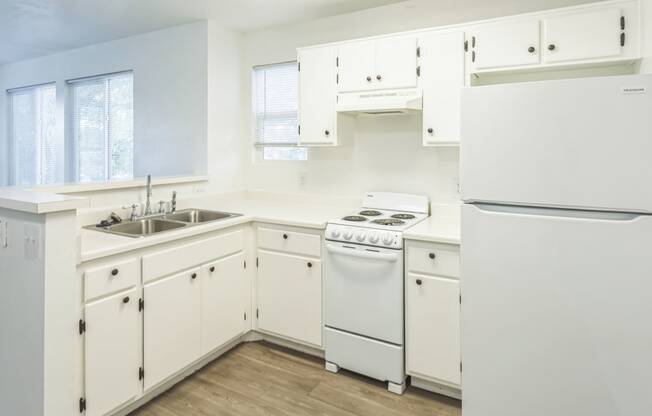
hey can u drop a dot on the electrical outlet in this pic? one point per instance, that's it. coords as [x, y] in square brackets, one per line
[32, 242]
[198, 189]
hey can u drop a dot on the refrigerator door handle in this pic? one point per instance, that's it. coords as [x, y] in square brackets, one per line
[559, 212]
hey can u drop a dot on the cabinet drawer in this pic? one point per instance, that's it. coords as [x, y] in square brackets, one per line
[437, 259]
[289, 241]
[111, 278]
[166, 262]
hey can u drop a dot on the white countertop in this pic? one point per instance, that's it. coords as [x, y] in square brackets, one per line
[35, 202]
[443, 226]
[279, 209]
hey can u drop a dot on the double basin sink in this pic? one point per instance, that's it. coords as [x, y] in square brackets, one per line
[163, 222]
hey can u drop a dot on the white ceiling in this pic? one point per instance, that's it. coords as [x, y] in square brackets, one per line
[30, 28]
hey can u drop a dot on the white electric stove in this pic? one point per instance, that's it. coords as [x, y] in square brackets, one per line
[363, 287]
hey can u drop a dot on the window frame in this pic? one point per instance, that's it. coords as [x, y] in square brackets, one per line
[12, 155]
[259, 146]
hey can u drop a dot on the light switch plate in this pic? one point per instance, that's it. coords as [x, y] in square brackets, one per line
[32, 242]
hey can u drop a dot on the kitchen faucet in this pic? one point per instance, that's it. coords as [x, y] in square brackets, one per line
[148, 205]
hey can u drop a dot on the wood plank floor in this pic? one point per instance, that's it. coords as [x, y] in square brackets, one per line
[259, 378]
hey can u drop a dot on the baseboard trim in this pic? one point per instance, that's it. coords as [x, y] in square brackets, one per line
[436, 388]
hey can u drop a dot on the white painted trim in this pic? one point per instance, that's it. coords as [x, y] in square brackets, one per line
[436, 388]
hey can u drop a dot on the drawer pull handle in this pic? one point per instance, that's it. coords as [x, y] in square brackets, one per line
[309, 264]
[125, 299]
[432, 256]
[419, 282]
[212, 269]
[114, 272]
[193, 276]
[285, 236]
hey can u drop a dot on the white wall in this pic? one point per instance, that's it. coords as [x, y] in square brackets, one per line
[170, 92]
[386, 154]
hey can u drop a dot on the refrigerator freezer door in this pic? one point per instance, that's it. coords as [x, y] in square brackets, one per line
[556, 313]
[583, 143]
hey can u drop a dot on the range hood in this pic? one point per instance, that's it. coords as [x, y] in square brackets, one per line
[386, 102]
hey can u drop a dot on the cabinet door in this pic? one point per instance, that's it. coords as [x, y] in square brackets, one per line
[504, 45]
[433, 328]
[356, 66]
[317, 96]
[395, 63]
[112, 352]
[289, 296]
[442, 77]
[172, 325]
[223, 302]
[579, 36]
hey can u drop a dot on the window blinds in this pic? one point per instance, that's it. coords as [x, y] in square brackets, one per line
[276, 93]
[102, 127]
[37, 153]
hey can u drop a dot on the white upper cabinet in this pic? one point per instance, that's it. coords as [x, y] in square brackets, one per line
[441, 65]
[585, 35]
[387, 63]
[317, 95]
[504, 44]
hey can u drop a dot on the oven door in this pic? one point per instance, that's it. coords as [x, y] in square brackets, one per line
[363, 291]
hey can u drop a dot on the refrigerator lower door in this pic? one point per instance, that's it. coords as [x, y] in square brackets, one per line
[582, 143]
[556, 312]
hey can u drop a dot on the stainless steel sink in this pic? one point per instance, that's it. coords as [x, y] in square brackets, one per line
[163, 222]
[144, 227]
[195, 216]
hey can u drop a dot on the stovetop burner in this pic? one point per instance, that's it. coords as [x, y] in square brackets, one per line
[370, 213]
[389, 221]
[404, 216]
[354, 218]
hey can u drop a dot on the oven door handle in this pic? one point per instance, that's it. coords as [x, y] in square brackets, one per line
[389, 257]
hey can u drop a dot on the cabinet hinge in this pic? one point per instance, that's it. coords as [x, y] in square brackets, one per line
[460, 299]
[245, 264]
[622, 39]
[141, 373]
[418, 51]
[245, 316]
[472, 56]
[337, 61]
[466, 46]
[257, 262]
[473, 41]
[141, 304]
[298, 66]
[299, 128]
[419, 71]
[460, 366]
[622, 22]
[257, 314]
[337, 78]
[82, 405]
[82, 326]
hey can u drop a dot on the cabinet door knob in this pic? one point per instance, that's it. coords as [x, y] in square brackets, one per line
[430, 130]
[368, 78]
[327, 133]
[419, 282]
[551, 47]
[378, 77]
[114, 272]
[193, 276]
[285, 236]
[531, 49]
[309, 264]
[125, 299]
[432, 256]
[211, 269]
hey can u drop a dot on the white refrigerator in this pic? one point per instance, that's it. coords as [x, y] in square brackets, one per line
[556, 180]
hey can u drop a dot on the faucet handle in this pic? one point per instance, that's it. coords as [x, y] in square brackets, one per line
[161, 206]
[133, 208]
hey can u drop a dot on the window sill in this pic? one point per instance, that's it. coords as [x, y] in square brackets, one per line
[106, 186]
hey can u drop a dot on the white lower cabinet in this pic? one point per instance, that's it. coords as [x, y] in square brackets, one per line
[432, 315]
[113, 352]
[172, 330]
[289, 294]
[224, 301]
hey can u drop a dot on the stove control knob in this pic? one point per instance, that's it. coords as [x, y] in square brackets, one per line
[360, 236]
[388, 239]
[335, 232]
[373, 238]
[348, 234]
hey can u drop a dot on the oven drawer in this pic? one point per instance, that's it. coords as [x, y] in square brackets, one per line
[289, 241]
[435, 259]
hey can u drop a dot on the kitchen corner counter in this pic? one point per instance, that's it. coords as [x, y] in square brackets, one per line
[34, 202]
[436, 229]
